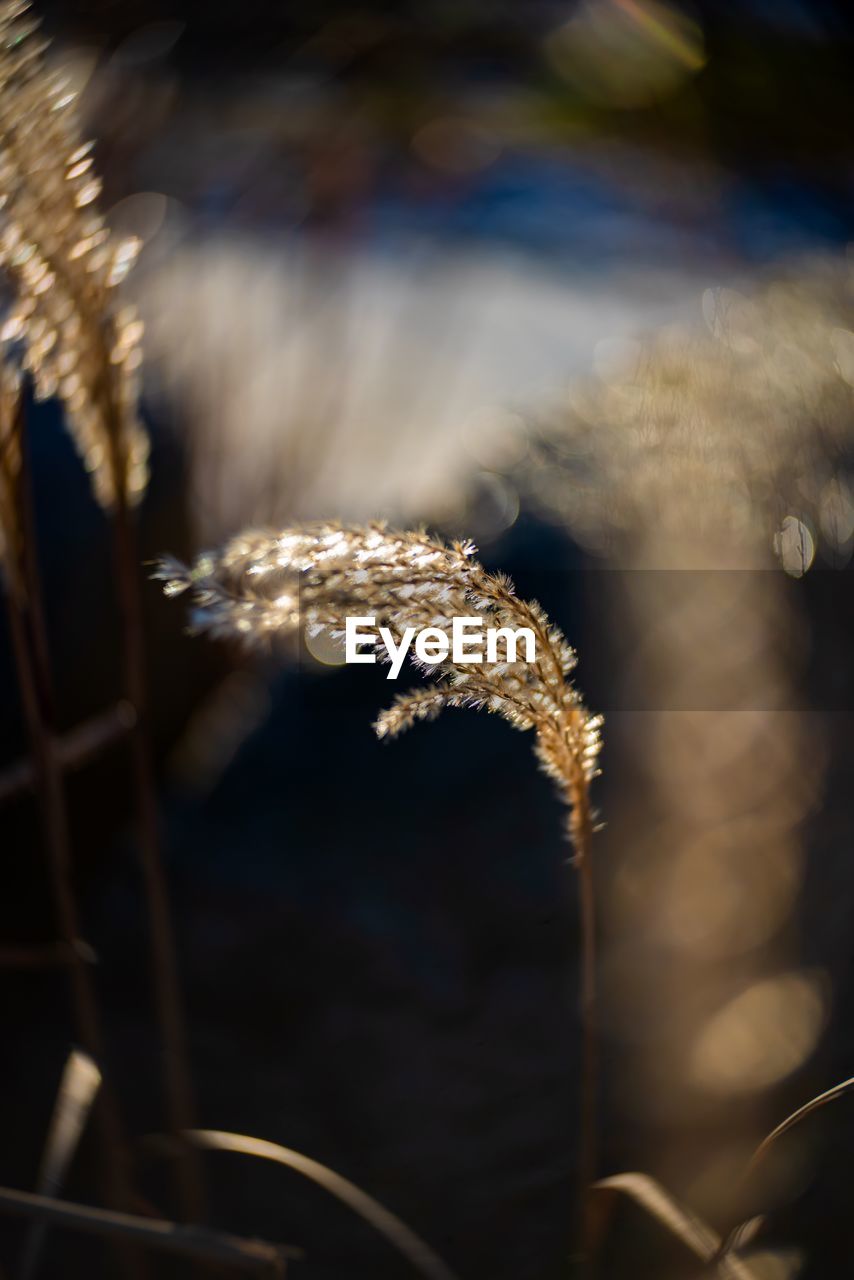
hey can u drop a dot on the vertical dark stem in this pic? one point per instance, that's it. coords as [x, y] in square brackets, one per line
[177, 1083]
[581, 830]
[30, 573]
[55, 826]
[29, 644]
[589, 1031]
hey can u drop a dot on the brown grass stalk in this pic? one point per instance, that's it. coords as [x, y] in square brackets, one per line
[82, 344]
[180, 1105]
[588, 1006]
[195, 1243]
[262, 586]
[421, 1257]
[74, 749]
[29, 646]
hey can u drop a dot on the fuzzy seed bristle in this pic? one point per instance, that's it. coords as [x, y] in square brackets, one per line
[64, 264]
[262, 585]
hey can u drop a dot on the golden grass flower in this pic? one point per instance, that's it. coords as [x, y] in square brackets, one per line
[64, 263]
[263, 585]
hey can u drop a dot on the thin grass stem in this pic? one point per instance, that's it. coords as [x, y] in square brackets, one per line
[197, 1243]
[581, 835]
[31, 656]
[180, 1104]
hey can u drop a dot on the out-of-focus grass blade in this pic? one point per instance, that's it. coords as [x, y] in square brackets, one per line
[791, 1122]
[78, 1089]
[422, 1257]
[815, 1104]
[679, 1221]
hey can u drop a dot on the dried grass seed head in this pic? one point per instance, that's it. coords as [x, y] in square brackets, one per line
[720, 430]
[63, 262]
[261, 585]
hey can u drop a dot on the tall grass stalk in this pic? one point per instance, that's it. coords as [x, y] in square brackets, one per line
[30, 652]
[263, 586]
[177, 1079]
[588, 1008]
[81, 344]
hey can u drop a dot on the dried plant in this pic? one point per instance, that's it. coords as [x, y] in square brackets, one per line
[724, 1253]
[80, 344]
[64, 263]
[723, 428]
[78, 1090]
[699, 452]
[424, 1260]
[29, 646]
[264, 585]
[11, 532]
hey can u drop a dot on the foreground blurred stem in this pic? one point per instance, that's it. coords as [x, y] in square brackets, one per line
[170, 1014]
[30, 650]
[212, 1249]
